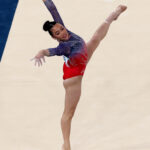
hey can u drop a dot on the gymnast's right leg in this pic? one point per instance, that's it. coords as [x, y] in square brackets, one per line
[102, 30]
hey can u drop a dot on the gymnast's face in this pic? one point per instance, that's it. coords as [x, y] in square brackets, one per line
[59, 32]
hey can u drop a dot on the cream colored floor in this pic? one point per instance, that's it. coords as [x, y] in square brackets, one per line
[114, 109]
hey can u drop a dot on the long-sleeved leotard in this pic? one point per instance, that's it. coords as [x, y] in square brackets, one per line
[74, 49]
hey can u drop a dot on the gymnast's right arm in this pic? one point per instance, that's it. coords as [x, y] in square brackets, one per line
[42, 53]
[49, 52]
[61, 49]
[46, 52]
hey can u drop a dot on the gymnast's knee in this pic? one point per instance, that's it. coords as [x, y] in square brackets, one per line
[68, 115]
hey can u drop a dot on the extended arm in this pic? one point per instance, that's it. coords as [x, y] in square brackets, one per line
[61, 49]
[53, 10]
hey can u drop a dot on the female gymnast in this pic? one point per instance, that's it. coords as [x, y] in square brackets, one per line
[76, 54]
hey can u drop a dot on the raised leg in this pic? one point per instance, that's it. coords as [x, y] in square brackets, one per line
[73, 91]
[102, 30]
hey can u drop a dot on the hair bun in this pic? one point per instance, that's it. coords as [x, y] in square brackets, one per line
[46, 26]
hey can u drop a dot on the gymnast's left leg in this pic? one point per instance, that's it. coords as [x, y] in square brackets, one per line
[102, 30]
[72, 95]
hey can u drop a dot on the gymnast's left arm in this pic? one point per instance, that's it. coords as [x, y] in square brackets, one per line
[53, 10]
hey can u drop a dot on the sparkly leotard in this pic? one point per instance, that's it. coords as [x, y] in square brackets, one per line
[74, 49]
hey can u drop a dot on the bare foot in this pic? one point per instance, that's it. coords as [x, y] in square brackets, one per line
[115, 14]
[63, 148]
[120, 9]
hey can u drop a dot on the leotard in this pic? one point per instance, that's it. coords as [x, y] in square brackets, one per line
[73, 50]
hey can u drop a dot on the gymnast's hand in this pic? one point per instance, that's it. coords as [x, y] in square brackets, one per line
[40, 56]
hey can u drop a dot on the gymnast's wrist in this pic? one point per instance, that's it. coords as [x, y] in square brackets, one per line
[46, 52]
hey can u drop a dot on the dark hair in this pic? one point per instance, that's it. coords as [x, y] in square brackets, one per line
[48, 25]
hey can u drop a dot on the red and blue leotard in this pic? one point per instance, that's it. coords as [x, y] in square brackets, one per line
[73, 50]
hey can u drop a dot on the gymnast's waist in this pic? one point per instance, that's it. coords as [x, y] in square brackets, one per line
[80, 59]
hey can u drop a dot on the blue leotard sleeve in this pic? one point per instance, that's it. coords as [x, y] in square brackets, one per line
[54, 12]
[61, 49]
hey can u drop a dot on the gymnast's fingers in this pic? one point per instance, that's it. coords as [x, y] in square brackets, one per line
[35, 62]
[43, 59]
[40, 62]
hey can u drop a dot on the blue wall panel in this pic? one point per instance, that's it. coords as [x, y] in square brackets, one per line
[7, 11]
